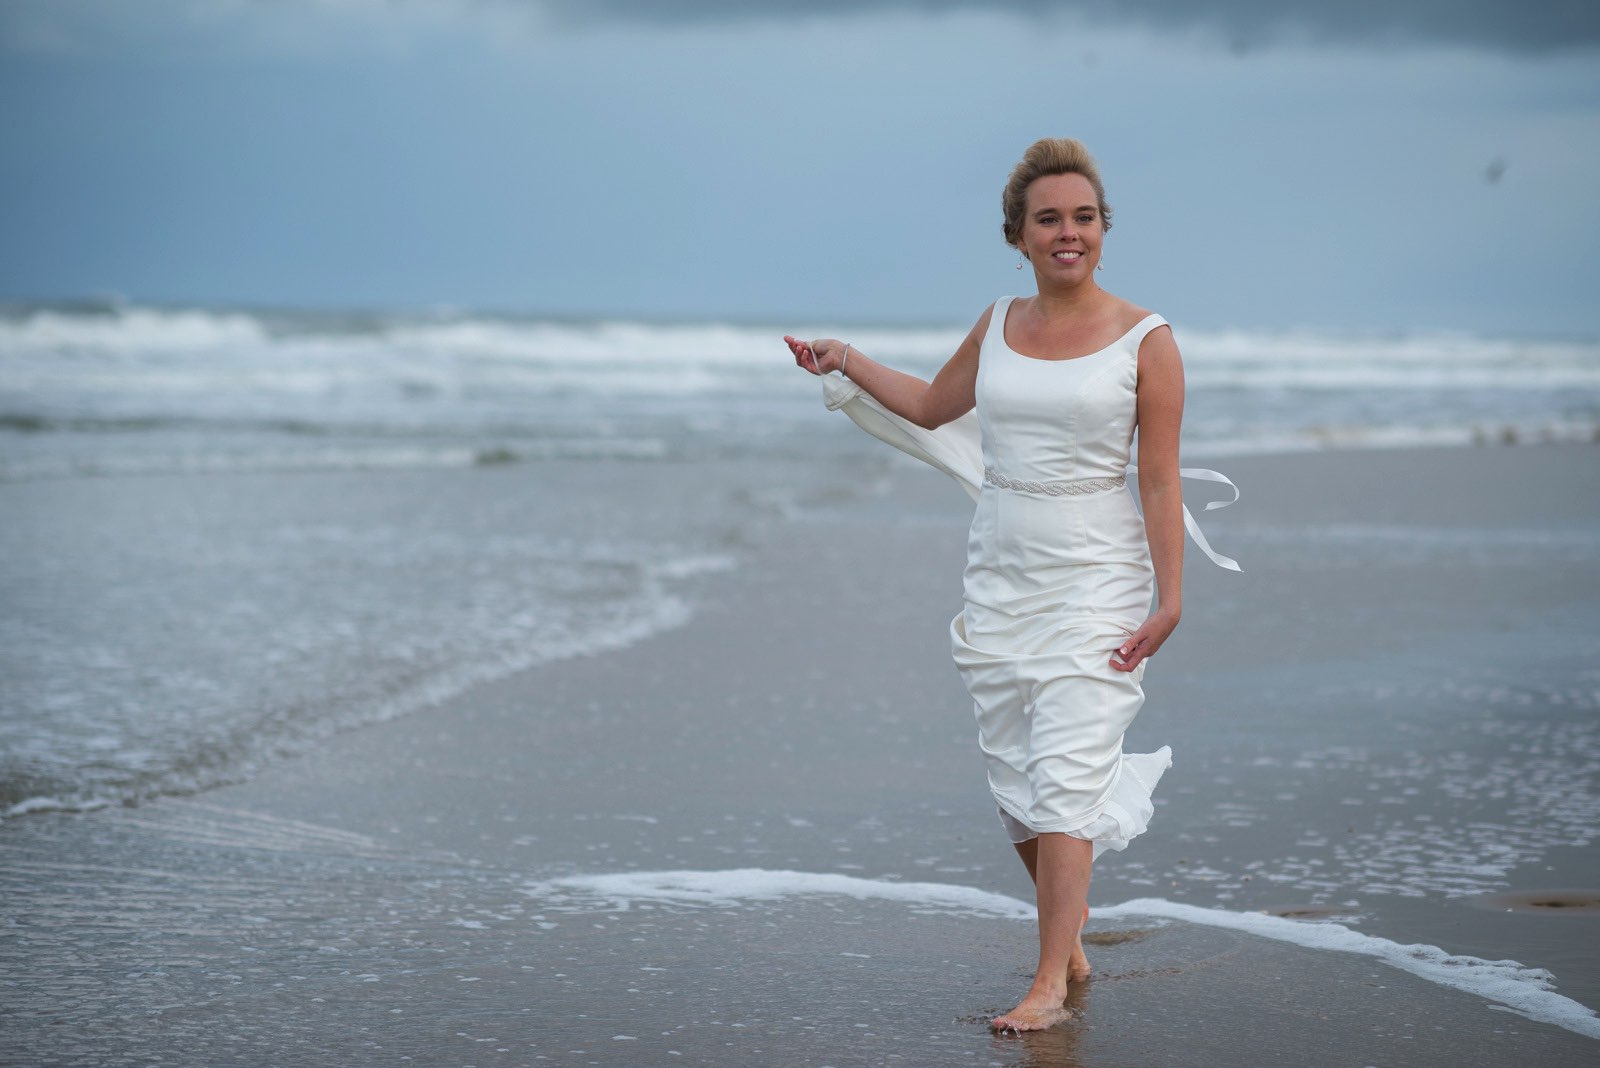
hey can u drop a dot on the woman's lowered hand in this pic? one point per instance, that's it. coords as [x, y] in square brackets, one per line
[1142, 644]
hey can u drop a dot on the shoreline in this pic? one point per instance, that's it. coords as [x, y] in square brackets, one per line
[888, 462]
[478, 456]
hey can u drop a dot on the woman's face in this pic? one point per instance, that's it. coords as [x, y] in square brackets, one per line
[1061, 229]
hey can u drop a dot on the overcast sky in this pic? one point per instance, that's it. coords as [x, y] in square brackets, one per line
[1366, 165]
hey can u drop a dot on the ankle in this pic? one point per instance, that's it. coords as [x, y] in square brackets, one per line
[1054, 988]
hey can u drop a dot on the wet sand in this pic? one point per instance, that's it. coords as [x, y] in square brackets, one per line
[1389, 714]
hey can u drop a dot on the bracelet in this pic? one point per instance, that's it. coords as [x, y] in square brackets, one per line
[845, 358]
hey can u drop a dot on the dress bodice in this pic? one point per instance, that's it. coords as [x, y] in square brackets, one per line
[1058, 420]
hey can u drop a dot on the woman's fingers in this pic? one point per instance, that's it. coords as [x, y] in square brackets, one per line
[1130, 653]
[1143, 643]
[804, 357]
[816, 356]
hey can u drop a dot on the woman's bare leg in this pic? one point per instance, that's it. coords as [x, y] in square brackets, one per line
[1060, 868]
[1029, 852]
[1078, 968]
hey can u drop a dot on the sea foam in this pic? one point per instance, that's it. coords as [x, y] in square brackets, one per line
[1507, 984]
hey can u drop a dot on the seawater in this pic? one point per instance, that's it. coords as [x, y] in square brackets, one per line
[165, 630]
[126, 389]
[167, 634]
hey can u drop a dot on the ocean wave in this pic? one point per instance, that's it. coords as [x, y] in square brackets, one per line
[134, 334]
[448, 385]
[128, 330]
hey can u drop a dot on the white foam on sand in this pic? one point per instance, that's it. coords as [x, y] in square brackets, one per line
[739, 886]
[1525, 991]
[1506, 983]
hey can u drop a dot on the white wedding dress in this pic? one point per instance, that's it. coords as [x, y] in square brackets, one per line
[1058, 575]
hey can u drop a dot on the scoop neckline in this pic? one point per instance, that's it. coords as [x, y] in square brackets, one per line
[1006, 315]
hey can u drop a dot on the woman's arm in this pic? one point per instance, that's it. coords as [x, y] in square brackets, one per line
[1160, 415]
[927, 404]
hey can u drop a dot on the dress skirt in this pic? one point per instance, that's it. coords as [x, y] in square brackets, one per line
[1053, 586]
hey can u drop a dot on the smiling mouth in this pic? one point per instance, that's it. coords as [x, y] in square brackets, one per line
[1066, 257]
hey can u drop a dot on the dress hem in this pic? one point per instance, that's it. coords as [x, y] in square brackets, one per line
[1122, 816]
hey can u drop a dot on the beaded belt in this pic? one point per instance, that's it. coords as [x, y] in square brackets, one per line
[1065, 488]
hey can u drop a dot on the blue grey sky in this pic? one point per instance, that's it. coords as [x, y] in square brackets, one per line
[1419, 165]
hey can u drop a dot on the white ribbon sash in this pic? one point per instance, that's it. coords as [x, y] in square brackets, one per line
[957, 449]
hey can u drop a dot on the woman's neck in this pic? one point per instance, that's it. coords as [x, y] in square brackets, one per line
[1069, 303]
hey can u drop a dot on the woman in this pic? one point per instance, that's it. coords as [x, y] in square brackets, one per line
[1057, 627]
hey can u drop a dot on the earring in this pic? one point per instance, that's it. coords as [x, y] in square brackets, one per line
[1100, 266]
[1021, 259]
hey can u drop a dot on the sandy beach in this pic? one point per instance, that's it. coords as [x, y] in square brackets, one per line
[761, 835]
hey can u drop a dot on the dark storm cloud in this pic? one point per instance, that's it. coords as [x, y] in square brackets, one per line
[1496, 25]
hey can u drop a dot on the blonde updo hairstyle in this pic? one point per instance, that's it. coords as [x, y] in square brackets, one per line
[1047, 156]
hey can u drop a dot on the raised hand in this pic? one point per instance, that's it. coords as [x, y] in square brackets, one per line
[819, 357]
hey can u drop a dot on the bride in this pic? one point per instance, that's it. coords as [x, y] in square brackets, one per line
[1069, 589]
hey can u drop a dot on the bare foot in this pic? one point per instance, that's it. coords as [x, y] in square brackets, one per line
[1078, 965]
[1043, 1009]
[1039, 1010]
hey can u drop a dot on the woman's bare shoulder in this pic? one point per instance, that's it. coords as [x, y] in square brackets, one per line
[981, 327]
[1130, 314]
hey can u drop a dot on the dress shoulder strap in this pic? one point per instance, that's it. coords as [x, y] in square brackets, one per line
[1143, 327]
